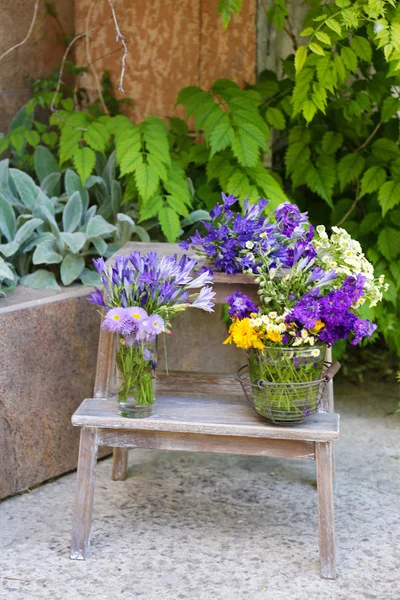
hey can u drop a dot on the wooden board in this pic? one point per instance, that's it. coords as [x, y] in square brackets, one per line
[208, 416]
[120, 439]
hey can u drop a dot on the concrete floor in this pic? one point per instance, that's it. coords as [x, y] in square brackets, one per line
[208, 527]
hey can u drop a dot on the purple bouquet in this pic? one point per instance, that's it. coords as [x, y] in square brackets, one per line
[142, 294]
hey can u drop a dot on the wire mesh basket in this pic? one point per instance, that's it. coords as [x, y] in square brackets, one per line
[289, 402]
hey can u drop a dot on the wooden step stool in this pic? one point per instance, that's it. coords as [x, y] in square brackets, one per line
[218, 419]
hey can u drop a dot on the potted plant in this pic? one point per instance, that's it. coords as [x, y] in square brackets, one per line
[142, 295]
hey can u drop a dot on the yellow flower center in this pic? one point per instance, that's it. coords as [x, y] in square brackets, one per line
[136, 316]
[116, 317]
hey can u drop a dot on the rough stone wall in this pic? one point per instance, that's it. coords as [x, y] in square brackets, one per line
[38, 57]
[171, 45]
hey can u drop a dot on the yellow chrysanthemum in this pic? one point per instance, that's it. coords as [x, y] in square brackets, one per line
[274, 336]
[243, 335]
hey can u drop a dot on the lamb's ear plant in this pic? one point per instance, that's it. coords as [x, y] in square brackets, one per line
[46, 238]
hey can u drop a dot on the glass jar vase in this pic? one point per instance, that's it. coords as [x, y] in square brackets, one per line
[286, 383]
[136, 378]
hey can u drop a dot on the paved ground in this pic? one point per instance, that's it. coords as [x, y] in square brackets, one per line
[203, 527]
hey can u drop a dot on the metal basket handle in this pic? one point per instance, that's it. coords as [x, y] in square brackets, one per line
[331, 371]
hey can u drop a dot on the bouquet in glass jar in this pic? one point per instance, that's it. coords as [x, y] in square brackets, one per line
[142, 294]
[313, 290]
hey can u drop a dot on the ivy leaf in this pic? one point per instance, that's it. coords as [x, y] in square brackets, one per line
[390, 107]
[323, 37]
[361, 47]
[331, 142]
[321, 179]
[275, 117]
[300, 58]
[146, 180]
[349, 58]
[389, 243]
[316, 48]
[350, 168]
[84, 161]
[222, 135]
[389, 195]
[372, 180]
[169, 222]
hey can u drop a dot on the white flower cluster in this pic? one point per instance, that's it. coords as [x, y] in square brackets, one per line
[343, 254]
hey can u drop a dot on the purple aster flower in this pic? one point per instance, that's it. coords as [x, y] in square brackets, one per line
[136, 313]
[154, 324]
[115, 320]
[205, 299]
[97, 298]
[240, 305]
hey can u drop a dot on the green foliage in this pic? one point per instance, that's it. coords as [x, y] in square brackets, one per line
[55, 235]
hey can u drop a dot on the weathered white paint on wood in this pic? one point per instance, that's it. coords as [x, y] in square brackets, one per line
[326, 524]
[85, 482]
[120, 462]
[208, 416]
[192, 442]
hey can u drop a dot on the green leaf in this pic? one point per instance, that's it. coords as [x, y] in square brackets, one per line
[74, 241]
[100, 245]
[342, 3]
[73, 212]
[69, 142]
[306, 32]
[309, 110]
[300, 58]
[238, 185]
[390, 107]
[389, 243]
[169, 222]
[331, 142]
[301, 89]
[90, 277]
[350, 168]
[32, 137]
[146, 180]
[226, 8]
[128, 146]
[298, 153]
[154, 132]
[370, 222]
[186, 93]
[334, 25]
[268, 184]
[25, 231]
[84, 161]
[199, 154]
[157, 166]
[340, 69]
[4, 142]
[275, 117]
[385, 149]
[389, 195]
[349, 58]
[26, 187]
[151, 208]
[222, 135]
[395, 217]
[73, 184]
[372, 180]
[323, 37]
[316, 48]
[362, 47]
[45, 254]
[97, 136]
[50, 138]
[17, 140]
[7, 219]
[98, 227]
[50, 184]
[40, 279]
[71, 268]
[177, 205]
[5, 271]
[321, 179]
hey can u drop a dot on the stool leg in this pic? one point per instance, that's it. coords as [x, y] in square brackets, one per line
[120, 463]
[324, 458]
[85, 482]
